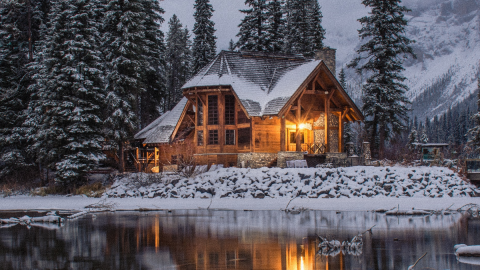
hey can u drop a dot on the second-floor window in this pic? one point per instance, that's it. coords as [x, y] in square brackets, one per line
[229, 110]
[213, 110]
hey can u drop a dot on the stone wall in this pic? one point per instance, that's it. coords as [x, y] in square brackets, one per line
[287, 155]
[255, 160]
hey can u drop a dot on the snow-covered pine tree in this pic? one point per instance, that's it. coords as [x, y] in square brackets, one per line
[305, 33]
[204, 43]
[20, 23]
[384, 101]
[474, 133]
[253, 28]
[127, 51]
[178, 61]
[275, 28]
[69, 96]
[412, 139]
[342, 79]
[154, 52]
[436, 129]
[424, 136]
[231, 45]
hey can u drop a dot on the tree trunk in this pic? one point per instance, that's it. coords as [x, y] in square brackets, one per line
[121, 158]
[30, 41]
[381, 142]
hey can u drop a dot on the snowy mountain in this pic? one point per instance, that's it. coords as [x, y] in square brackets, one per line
[447, 34]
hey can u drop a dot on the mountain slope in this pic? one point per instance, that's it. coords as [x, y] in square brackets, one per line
[447, 35]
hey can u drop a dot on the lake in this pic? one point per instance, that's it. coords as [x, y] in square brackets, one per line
[203, 239]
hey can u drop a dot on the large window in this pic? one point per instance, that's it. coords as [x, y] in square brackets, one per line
[229, 110]
[200, 113]
[213, 110]
[229, 137]
[213, 137]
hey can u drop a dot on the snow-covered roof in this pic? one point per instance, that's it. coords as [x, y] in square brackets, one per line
[160, 130]
[263, 83]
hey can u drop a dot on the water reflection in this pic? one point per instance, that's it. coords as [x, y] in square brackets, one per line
[264, 240]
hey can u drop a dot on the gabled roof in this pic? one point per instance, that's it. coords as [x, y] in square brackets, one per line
[263, 82]
[161, 130]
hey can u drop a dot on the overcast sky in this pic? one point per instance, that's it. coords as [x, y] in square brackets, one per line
[339, 17]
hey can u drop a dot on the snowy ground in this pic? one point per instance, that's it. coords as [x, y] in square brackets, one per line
[342, 189]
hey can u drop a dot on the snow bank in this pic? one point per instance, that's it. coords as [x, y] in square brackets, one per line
[467, 251]
[351, 182]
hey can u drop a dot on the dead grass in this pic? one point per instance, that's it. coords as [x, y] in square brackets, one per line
[94, 190]
[44, 191]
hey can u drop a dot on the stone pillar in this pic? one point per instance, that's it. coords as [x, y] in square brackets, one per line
[327, 55]
[350, 149]
[367, 154]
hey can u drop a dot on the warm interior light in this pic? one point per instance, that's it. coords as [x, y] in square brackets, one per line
[302, 126]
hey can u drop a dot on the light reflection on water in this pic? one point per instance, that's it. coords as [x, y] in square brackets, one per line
[236, 240]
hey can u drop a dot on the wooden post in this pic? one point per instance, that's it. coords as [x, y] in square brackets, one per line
[221, 121]
[327, 112]
[155, 153]
[298, 141]
[340, 133]
[138, 160]
[283, 143]
[252, 135]
[195, 137]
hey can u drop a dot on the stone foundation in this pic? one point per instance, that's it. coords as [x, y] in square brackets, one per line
[255, 160]
[337, 155]
[284, 156]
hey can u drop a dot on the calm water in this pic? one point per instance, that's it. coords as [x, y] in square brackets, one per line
[236, 240]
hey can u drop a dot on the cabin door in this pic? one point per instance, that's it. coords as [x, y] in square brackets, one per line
[292, 143]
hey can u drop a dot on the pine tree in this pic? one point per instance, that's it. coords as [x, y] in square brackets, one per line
[474, 133]
[304, 23]
[231, 45]
[127, 49]
[424, 136]
[178, 61]
[384, 101]
[68, 98]
[204, 42]
[20, 23]
[342, 79]
[275, 28]
[154, 51]
[253, 28]
[412, 140]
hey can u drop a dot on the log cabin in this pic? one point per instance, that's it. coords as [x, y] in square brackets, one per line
[251, 109]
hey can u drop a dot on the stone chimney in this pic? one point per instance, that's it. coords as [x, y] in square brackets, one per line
[327, 55]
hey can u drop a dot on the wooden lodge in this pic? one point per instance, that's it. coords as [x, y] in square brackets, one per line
[250, 109]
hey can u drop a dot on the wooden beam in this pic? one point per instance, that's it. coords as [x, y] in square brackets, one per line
[327, 112]
[344, 112]
[340, 133]
[221, 121]
[298, 141]
[252, 136]
[283, 143]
